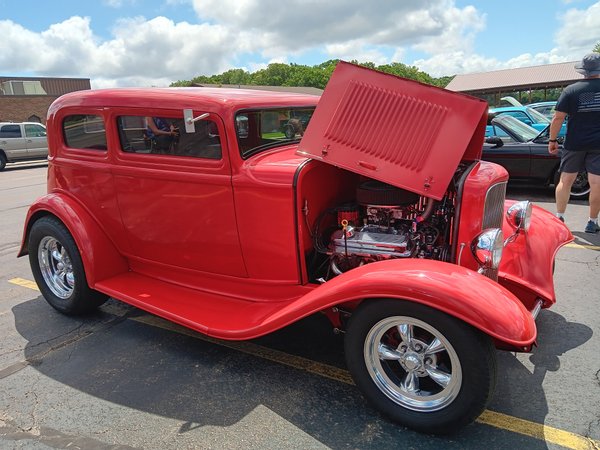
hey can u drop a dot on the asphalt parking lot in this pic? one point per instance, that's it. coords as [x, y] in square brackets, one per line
[124, 379]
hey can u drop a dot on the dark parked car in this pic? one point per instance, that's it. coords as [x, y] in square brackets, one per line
[524, 153]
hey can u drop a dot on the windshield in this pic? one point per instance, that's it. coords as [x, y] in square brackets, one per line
[537, 116]
[261, 129]
[516, 128]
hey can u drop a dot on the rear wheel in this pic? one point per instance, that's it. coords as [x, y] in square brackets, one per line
[2, 161]
[419, 366]
[58, 270]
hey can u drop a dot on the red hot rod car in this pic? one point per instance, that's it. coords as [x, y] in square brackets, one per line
[202, 206]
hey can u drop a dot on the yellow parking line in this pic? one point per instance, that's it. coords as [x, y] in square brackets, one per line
[505, 422]
[495, 419]
[588, 247]
[25, 283]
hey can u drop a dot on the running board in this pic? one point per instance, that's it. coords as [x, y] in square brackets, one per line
[211, 314]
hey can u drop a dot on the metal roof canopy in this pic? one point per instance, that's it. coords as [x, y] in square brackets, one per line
[523, 78]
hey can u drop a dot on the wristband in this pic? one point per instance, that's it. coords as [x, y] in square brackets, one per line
[552, 140]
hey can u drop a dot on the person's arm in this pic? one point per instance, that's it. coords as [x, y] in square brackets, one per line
[555, 126]
[155, 129]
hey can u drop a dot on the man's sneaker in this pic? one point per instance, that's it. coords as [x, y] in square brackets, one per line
[561, 218]
[592, 227]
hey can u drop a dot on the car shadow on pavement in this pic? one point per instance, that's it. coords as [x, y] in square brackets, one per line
[111, 356]
[587, 239]
[520, 390]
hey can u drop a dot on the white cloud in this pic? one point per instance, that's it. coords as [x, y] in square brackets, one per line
[338, 25]
[576, 37]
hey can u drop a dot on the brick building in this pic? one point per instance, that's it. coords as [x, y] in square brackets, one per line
[27, 99]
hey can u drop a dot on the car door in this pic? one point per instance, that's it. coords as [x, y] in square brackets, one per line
[12, 142]
[37, 143]
[174, 192]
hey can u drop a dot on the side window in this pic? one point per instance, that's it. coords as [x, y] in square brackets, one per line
[167, 136]
[10, 131]
[35, 131]
[84, 132]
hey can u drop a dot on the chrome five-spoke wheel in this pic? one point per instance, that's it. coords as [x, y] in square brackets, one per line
[419, 366]
[56, 267]
[413, 364]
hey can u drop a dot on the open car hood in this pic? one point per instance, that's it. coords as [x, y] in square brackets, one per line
[398, 131]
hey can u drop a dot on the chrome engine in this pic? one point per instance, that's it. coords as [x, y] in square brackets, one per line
[385, 222]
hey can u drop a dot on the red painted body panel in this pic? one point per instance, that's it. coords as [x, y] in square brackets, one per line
[99, 254]
[447, 287]
[394, 130]
[527, 262]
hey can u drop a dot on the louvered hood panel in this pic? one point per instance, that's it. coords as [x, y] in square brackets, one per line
[398, 131]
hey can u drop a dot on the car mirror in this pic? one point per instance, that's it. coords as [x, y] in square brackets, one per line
[495, 141]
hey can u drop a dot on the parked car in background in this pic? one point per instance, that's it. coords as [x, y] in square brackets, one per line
[523, 151]
[545, 108]
[526, 115]
[23, 141]
[383, 218]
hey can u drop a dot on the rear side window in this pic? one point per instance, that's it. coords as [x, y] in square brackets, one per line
[84, 131]
[10, 131]
[167, 136]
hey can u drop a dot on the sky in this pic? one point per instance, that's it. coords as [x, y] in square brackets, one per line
[156, 42]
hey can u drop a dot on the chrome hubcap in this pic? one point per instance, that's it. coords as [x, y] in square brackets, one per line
[413, 364]
[56, 267]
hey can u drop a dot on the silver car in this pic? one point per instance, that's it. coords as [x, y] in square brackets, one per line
[22, 142]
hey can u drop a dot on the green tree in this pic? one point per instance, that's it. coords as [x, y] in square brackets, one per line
[597, 48]
[279, 74]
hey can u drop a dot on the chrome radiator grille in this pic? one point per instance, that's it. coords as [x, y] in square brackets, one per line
[493, 212]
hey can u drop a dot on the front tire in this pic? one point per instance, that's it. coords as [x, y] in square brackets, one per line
[422, 368]
[58, 270]
[3, 161]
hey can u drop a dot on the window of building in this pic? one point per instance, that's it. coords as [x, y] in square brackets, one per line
[167, 136]
[84, 132]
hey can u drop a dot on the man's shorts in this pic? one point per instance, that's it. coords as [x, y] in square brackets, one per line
[578, 161]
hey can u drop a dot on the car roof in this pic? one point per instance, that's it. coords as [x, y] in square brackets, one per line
[19, 123]
[215, 99]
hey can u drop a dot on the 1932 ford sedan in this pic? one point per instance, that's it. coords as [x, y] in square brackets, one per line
[373, 208]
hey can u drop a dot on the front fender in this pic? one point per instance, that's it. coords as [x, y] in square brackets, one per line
[98, 253]
[528, 260]
[455, 290]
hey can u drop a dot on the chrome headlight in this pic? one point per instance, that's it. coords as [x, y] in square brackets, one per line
[519, 215]
[487, 248]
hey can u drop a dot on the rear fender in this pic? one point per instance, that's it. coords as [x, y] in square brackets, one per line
[455, 290]
[98, 253]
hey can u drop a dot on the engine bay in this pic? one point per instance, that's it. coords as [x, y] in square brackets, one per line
[384, 222]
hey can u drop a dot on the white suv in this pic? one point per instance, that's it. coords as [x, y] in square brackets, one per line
[21, 142]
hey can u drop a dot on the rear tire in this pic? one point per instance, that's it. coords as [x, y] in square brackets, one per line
[422, 368]
[58, 270]
[3, 161]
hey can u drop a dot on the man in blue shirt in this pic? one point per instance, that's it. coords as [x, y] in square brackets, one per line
[581, 102]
